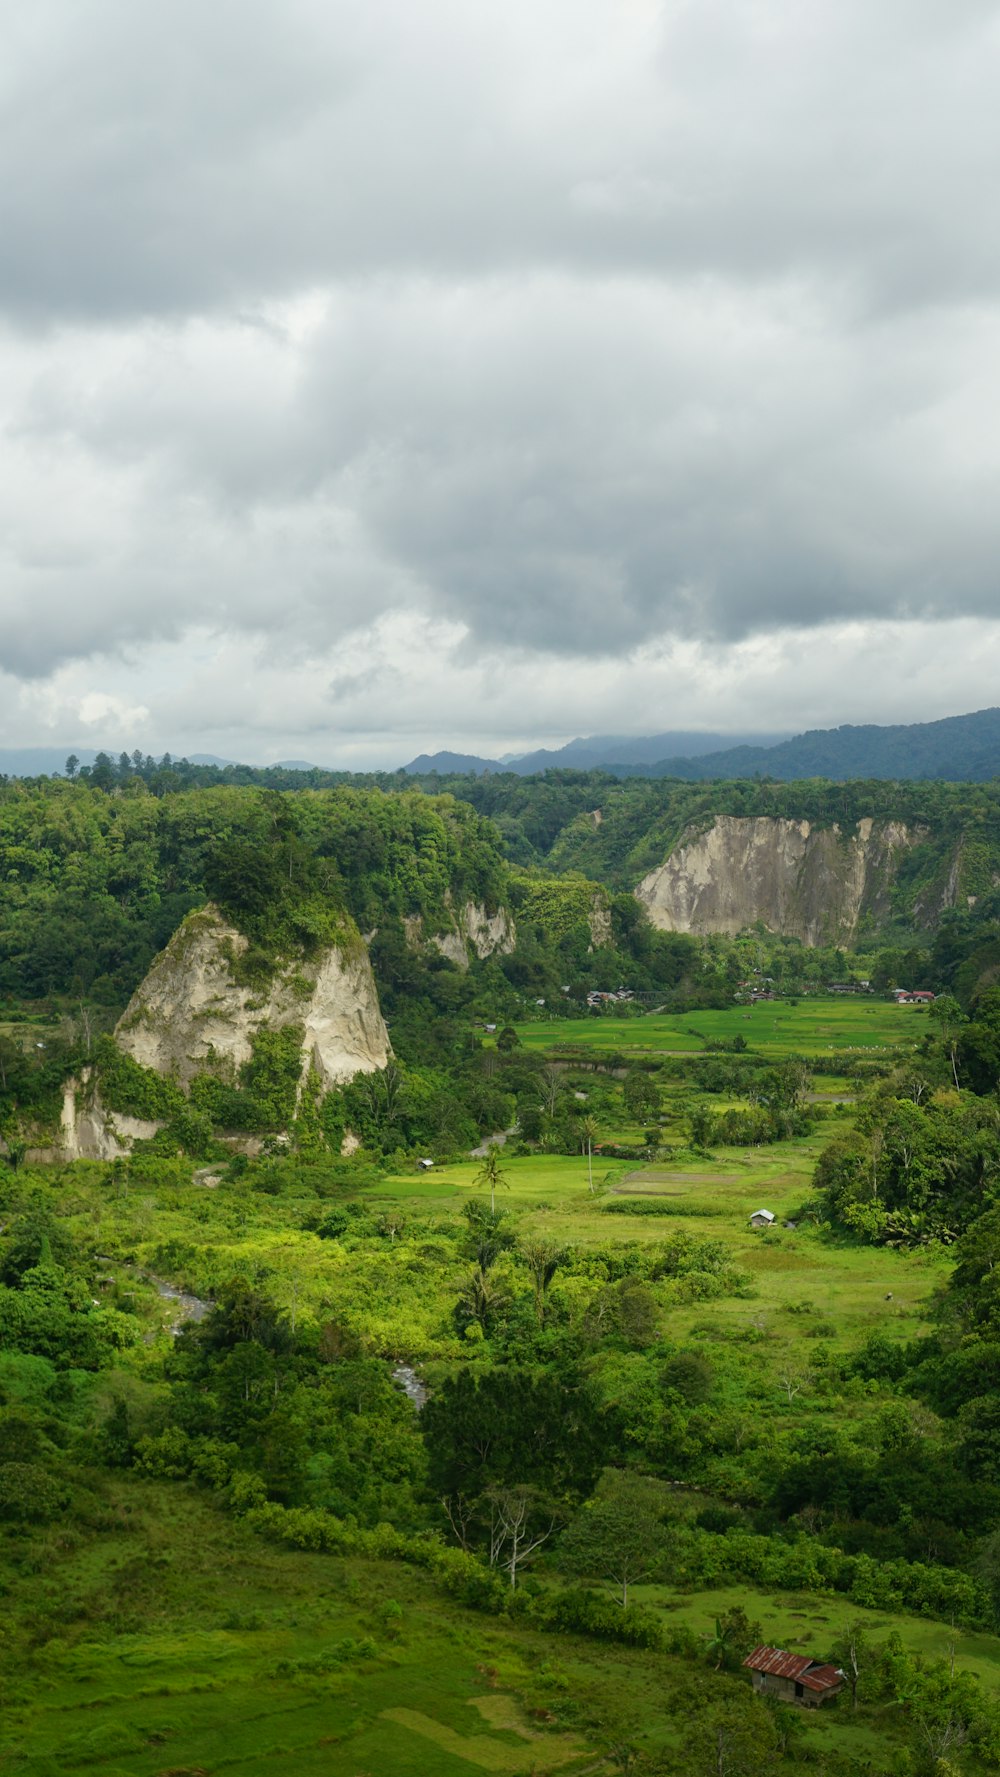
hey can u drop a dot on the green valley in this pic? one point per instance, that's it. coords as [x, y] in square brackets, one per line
[398, 1370]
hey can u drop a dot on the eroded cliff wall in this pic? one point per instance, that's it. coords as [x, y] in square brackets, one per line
[475, 932]
[811, 883]
[193, 1015]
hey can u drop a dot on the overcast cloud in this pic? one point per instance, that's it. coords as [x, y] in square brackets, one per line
[380, 377]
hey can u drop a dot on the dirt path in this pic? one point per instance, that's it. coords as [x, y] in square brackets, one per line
[492, 1141]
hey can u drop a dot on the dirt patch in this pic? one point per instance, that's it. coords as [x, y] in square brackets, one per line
[504, 1712]
[651, 1176]
[644, 1191]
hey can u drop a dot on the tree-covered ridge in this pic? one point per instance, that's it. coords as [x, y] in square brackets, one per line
[963, 748]
[609, 830]
[956, 748]
[96, 882]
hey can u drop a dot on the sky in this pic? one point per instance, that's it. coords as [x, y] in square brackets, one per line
[376, 377]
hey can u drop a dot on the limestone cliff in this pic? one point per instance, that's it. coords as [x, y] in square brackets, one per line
[192, 1015]
[474, 932]
[89, 1131]
[811, 883]
[599, 920]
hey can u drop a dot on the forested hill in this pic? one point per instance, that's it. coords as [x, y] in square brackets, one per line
[95, 882]
[958, 749]
[612, 828]
[97, 879]
[614, 831]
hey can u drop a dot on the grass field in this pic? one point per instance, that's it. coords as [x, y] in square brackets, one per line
[844, 1284]
[778, 1027]
[227, 1655]
[245, 1659]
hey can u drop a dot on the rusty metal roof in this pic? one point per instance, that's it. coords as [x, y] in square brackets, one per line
[822, 1678]
[799, 1667]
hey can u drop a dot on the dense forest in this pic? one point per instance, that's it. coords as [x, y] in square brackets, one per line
[456, 1416]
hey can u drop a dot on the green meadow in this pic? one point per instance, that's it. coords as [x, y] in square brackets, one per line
[810, 1026]
[188, 1645]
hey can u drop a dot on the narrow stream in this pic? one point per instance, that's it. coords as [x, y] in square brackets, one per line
[187, 1307]
[193, 1308]
[410, 1383]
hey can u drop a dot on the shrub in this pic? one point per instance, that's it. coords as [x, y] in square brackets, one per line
[581, 1611]
[27, 1494]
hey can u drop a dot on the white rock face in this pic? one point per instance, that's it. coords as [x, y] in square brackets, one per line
[486, 934]
[814, 884]
[89, 1131]
[599, 921]
[489, 933]
[453, 946]
[191, 1016]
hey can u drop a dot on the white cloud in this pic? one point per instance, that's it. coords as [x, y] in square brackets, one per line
[407, 684]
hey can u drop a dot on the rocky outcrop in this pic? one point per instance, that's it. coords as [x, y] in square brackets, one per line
[192, 1015]
[475, 932]
[811, 883]
[599, 921]
[89, 1131]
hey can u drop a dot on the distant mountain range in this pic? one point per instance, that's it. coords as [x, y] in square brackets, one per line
[955, 749]
[595, 751]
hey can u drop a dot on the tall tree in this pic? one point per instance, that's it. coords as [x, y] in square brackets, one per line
[492, 1175]
[618, 1537]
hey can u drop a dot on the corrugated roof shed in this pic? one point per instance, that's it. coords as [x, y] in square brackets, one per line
[799, 1667]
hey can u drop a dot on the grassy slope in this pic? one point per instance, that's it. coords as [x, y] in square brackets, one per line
[192, 1664]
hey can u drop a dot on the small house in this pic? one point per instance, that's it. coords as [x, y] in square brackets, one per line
[795, 1678]
[424, 1165]
[761, 1218]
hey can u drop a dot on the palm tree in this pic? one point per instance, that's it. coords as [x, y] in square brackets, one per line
[481, 1298]
[588, 1130]
[543, 1261]
[492, 1174]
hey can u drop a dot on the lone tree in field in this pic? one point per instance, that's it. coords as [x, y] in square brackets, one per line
[491, 1174]
[588, 1130]
[515, 1530]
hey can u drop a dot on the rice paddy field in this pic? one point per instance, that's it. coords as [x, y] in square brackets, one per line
[774, 1027]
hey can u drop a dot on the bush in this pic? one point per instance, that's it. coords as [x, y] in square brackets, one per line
[27, 1494]
[580, 1611]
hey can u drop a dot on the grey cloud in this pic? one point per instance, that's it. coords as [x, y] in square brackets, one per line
[164, 159]
[557, 474]
[583, 475]
[621, 321]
